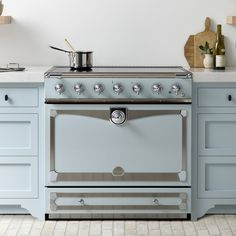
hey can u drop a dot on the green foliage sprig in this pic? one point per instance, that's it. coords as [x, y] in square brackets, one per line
[206, 49]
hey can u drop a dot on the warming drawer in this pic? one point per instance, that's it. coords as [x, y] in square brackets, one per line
[112, 202]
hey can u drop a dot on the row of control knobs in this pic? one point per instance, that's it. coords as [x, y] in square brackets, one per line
[117, 88]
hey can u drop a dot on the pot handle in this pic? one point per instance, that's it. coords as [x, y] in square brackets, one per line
[59, 49]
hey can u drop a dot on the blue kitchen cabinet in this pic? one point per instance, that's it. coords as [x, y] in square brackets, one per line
[21, 149]
[214, 149]
[19, 134]
[216, 134]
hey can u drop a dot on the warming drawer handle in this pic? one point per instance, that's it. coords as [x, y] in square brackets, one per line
[155, 202]
[82, 202]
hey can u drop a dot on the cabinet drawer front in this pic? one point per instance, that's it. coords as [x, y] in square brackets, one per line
[216, 97]
[18, 177]
[19, 97]
[217, 134]
[18, 134]
[216, 177]
[125, 201]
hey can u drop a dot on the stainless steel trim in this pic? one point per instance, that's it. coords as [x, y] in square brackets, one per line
[185, 74]
[120, 75]
[184, 141]
[137, 114]
[99, 114]
[105, 115]
[52, 141]
[155, 203]
[53, 198]
[120, 194]
[102, 177]
[118, 101]
[118, 215]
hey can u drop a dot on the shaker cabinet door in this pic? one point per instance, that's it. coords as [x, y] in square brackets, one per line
[217, 134]
[18, 177]
[216, 177]
[18, 134]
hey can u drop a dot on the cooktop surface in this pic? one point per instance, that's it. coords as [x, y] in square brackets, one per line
[120, 70]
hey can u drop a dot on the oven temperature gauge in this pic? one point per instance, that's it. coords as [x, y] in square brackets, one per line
[118, 116]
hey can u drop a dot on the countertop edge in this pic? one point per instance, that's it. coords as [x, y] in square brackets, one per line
[200, 75]
[32, 74]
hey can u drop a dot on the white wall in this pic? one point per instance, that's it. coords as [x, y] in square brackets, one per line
[120, 32]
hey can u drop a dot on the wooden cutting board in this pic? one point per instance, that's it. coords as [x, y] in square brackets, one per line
[191, 49]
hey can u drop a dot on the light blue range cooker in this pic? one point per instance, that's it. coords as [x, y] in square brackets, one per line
[118, 142]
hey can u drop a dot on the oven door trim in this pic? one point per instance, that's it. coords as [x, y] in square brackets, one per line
[181, 176]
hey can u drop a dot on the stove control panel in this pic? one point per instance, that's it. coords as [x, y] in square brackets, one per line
[126, 88]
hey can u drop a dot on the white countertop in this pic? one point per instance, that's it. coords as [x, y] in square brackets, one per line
[30, 75]
[209, 75]
[36, 75]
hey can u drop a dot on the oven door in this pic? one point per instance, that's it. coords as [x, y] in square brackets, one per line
[102, 145]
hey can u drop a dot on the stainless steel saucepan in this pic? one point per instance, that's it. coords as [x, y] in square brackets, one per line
[78, 60]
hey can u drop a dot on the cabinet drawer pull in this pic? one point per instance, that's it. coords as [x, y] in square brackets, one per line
[229, 98]
[6, 97]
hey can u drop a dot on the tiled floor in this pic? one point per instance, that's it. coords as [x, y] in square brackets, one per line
[224, 225]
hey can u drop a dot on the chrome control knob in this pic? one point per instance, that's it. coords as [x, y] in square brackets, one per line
[98, 88]
[118, 88]
[79, 88]
[118, 117]
[59, 88]
[137, 88]
[176, 89]
[156, 88]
